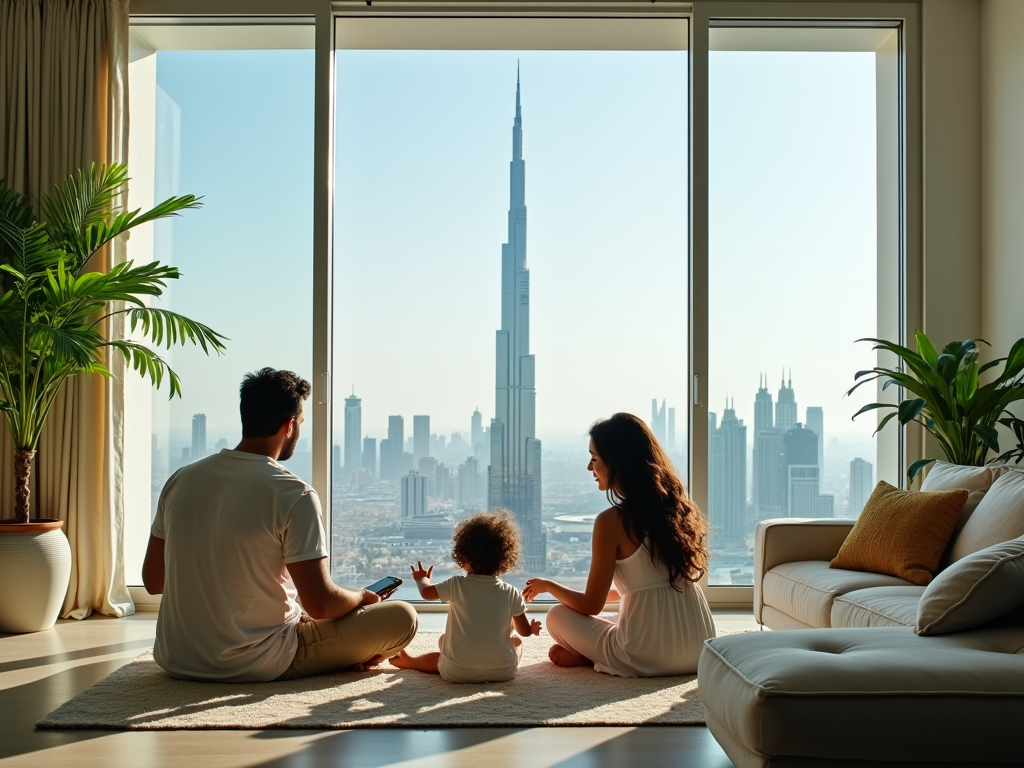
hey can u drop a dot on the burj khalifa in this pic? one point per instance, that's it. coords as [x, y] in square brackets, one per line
[514, 475]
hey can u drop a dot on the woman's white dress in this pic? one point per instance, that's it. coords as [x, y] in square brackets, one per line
[659, 630]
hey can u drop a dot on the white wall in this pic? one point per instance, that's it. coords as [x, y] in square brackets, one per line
[952, 170]
[1002, 268]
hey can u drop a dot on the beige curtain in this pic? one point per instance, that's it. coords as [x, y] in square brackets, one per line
[63, 105]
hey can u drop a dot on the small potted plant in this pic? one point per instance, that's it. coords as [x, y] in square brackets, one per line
[946, 396]
[53, 305]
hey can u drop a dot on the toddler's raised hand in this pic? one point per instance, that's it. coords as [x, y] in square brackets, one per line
[534, 627]
[418, 572]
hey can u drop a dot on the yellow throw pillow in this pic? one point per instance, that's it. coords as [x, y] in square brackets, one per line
[902, 533]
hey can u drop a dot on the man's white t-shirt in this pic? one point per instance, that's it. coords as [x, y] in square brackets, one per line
[231, 522]
[479, 622]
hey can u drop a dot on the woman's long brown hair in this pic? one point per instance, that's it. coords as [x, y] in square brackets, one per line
[644, 487]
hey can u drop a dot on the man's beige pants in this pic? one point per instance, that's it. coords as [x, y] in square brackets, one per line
[331, 645]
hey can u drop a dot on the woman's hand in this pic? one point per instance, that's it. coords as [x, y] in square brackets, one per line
[535, 587]
[419, 572]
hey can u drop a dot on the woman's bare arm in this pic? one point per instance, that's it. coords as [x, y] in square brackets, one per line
[604, 544]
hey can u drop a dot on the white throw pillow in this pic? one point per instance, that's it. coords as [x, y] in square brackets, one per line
[998, 517]
[943, 476]
[974, 590]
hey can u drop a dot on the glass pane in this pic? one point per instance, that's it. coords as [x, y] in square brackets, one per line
[794, 280]
[236, 127]
[472, 353]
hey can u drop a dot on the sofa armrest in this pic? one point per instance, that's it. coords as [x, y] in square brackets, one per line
[791, 540]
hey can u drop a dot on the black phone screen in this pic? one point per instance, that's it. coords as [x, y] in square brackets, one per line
[385, 586]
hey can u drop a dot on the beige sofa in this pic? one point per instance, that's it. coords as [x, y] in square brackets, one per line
[856, 685]
[794, 587]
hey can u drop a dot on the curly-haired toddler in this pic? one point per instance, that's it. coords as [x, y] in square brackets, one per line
[477, 646]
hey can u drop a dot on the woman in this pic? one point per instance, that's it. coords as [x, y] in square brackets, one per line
[653, 541]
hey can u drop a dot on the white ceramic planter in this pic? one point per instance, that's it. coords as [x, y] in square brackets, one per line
[35, 565]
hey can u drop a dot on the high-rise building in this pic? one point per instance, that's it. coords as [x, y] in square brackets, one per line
[727, 476]
[414, 495]
[353, 454]
[471, 485]
[766, 490]
[476, 431]
[770, 474]
[420, 438]
[391, 463]
[427, 466]
[816, 423]
[658, 421]
[198, 437]
[670, 446]
[785, 406]
[862, 483]
[369, 463]
[514, 474]
[803, 477]
[336, 464]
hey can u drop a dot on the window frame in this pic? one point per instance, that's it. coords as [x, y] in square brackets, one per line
[909, 309]
[701, 15]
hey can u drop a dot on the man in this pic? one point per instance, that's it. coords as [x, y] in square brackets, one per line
[236, 535]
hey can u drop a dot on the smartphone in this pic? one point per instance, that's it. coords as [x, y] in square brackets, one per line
[385, 587]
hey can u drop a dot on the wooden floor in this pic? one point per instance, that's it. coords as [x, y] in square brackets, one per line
[41, 671]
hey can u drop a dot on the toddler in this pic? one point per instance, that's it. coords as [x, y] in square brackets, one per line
[477, 646]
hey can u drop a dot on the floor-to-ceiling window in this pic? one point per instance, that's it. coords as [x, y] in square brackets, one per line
[803, 248]
[225, 112]
[510, 258]
[510, 264]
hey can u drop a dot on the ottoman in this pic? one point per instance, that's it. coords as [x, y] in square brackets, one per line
[874, 696]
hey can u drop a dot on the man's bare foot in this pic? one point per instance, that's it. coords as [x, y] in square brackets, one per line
[403, 661]
[563, 657]
[368, 664]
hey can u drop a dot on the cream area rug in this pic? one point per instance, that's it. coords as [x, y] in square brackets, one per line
[139, 696]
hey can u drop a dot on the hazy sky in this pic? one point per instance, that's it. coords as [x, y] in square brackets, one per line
[424, 142]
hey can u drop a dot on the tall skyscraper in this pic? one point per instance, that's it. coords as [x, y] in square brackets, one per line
[391, 463]
[414, 495]
[767, 490]
[514, 474]
[671, 444]
[420, 438]
[658, 421]
[727, 505]
[370, 455]
[353, 433]
[198, 437]
[862, 483]
[816, 423]
[785, 406]
[803, 477]
[476, 430]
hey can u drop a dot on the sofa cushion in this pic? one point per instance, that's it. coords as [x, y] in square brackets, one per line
[943, 476]
[805, 590]
[902, 533]
[867, 694]
[877, 607]
[974, 590]
[998, 517]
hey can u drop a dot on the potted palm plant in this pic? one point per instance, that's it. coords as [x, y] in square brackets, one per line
[52, 309]
[946, 396]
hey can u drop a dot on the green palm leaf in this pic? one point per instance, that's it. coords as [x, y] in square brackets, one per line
[51, 309]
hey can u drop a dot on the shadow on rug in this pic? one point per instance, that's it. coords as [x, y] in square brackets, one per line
[139, 696]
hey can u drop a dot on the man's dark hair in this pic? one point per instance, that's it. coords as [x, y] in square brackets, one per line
[268, 399]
